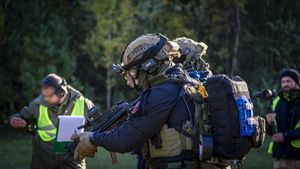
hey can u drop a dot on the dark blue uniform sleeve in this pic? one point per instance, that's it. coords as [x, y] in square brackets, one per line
[137, 130]
[291, 134]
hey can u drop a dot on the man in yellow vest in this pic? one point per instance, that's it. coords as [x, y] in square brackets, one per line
[285, 146]
[57, 98]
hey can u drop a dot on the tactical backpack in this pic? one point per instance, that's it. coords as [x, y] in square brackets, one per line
[224, 126]
[234, 130]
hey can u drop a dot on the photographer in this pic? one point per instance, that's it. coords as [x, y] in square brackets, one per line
[285, 146]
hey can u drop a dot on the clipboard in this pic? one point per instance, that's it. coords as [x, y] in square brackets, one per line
[67, 126]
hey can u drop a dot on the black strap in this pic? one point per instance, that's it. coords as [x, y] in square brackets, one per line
[149, 53]
[185, 133]
[190, 113]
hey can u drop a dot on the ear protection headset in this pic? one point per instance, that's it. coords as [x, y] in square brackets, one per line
[60, 89]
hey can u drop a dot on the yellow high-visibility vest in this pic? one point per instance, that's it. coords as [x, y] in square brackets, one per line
[274, 104]
[45, 128]
[296, 142]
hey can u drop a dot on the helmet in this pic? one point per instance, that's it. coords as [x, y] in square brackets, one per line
[191, 52]
[145, 53]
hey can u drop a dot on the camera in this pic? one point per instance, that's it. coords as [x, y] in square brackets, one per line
[267, 94]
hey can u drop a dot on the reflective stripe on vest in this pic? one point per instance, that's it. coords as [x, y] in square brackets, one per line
[78, 109]
[296, 142]
[270, 148]
[274, 105]
[275, 102]
[46, 129]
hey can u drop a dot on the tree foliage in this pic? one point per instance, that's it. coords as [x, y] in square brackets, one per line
[81, 39]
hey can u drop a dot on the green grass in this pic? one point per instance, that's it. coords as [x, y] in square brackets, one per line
[258, 158]
[15, 153]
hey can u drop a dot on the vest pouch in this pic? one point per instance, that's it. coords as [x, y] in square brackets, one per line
[187, 143]
[186, 136]
[259, 132]
[171, 144]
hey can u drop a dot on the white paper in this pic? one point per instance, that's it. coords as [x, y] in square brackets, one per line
[68, 126]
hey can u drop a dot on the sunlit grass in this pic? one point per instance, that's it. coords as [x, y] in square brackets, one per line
[15, 153]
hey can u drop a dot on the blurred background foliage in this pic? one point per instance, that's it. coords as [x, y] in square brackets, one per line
[79, 40]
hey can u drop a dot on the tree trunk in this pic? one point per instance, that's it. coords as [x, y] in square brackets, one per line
[109, 72]
[108, 87]
[234, 65]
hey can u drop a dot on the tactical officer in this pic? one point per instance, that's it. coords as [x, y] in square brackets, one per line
[57, 98]
[162, 122]
[285, 148]
[192, 53]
